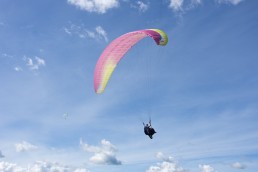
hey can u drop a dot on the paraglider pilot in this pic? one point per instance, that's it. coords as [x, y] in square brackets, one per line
[148, 130]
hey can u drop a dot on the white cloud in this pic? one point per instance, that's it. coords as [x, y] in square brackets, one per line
[29, 62]
[25, 146]
[40, 61]
[168, 165]
[102, 33]
[39, 166]
[176, 5]
[9, 167]
[161, 156]
[206, 168]
[141, 6]
[98, 6]
[196, 1]
[99, 33]
[18, 69]
[68, 31]
[182, 5]
[238, 165]
[34, 64]
[42, 166]
[7, 55]
[193, 4]
[104, 154]
[234, 2]
[80, 170]
[165, 167]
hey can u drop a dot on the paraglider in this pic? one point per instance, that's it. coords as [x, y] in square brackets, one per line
[115, 51]
[148, 130]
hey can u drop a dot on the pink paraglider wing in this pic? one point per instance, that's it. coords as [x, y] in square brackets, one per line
[117, 49]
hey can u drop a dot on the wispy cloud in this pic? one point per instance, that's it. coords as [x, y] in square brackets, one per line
[34, 64]
[162, 157]
[25, 146]
[19, 64]
[39, 166]
[79, 30]
[101, 33]
[98, 6]
[238, 165]
[206, 168]
[6, 166]
[176, 5]
[18, 69]
[104, 154]
[234, 2]
[168, 164]
[5, 55]
[182, 5]
[141, 6]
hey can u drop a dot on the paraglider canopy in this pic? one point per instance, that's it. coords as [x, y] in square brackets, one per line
[114, 52]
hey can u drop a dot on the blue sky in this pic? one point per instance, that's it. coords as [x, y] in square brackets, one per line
[201, 90]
